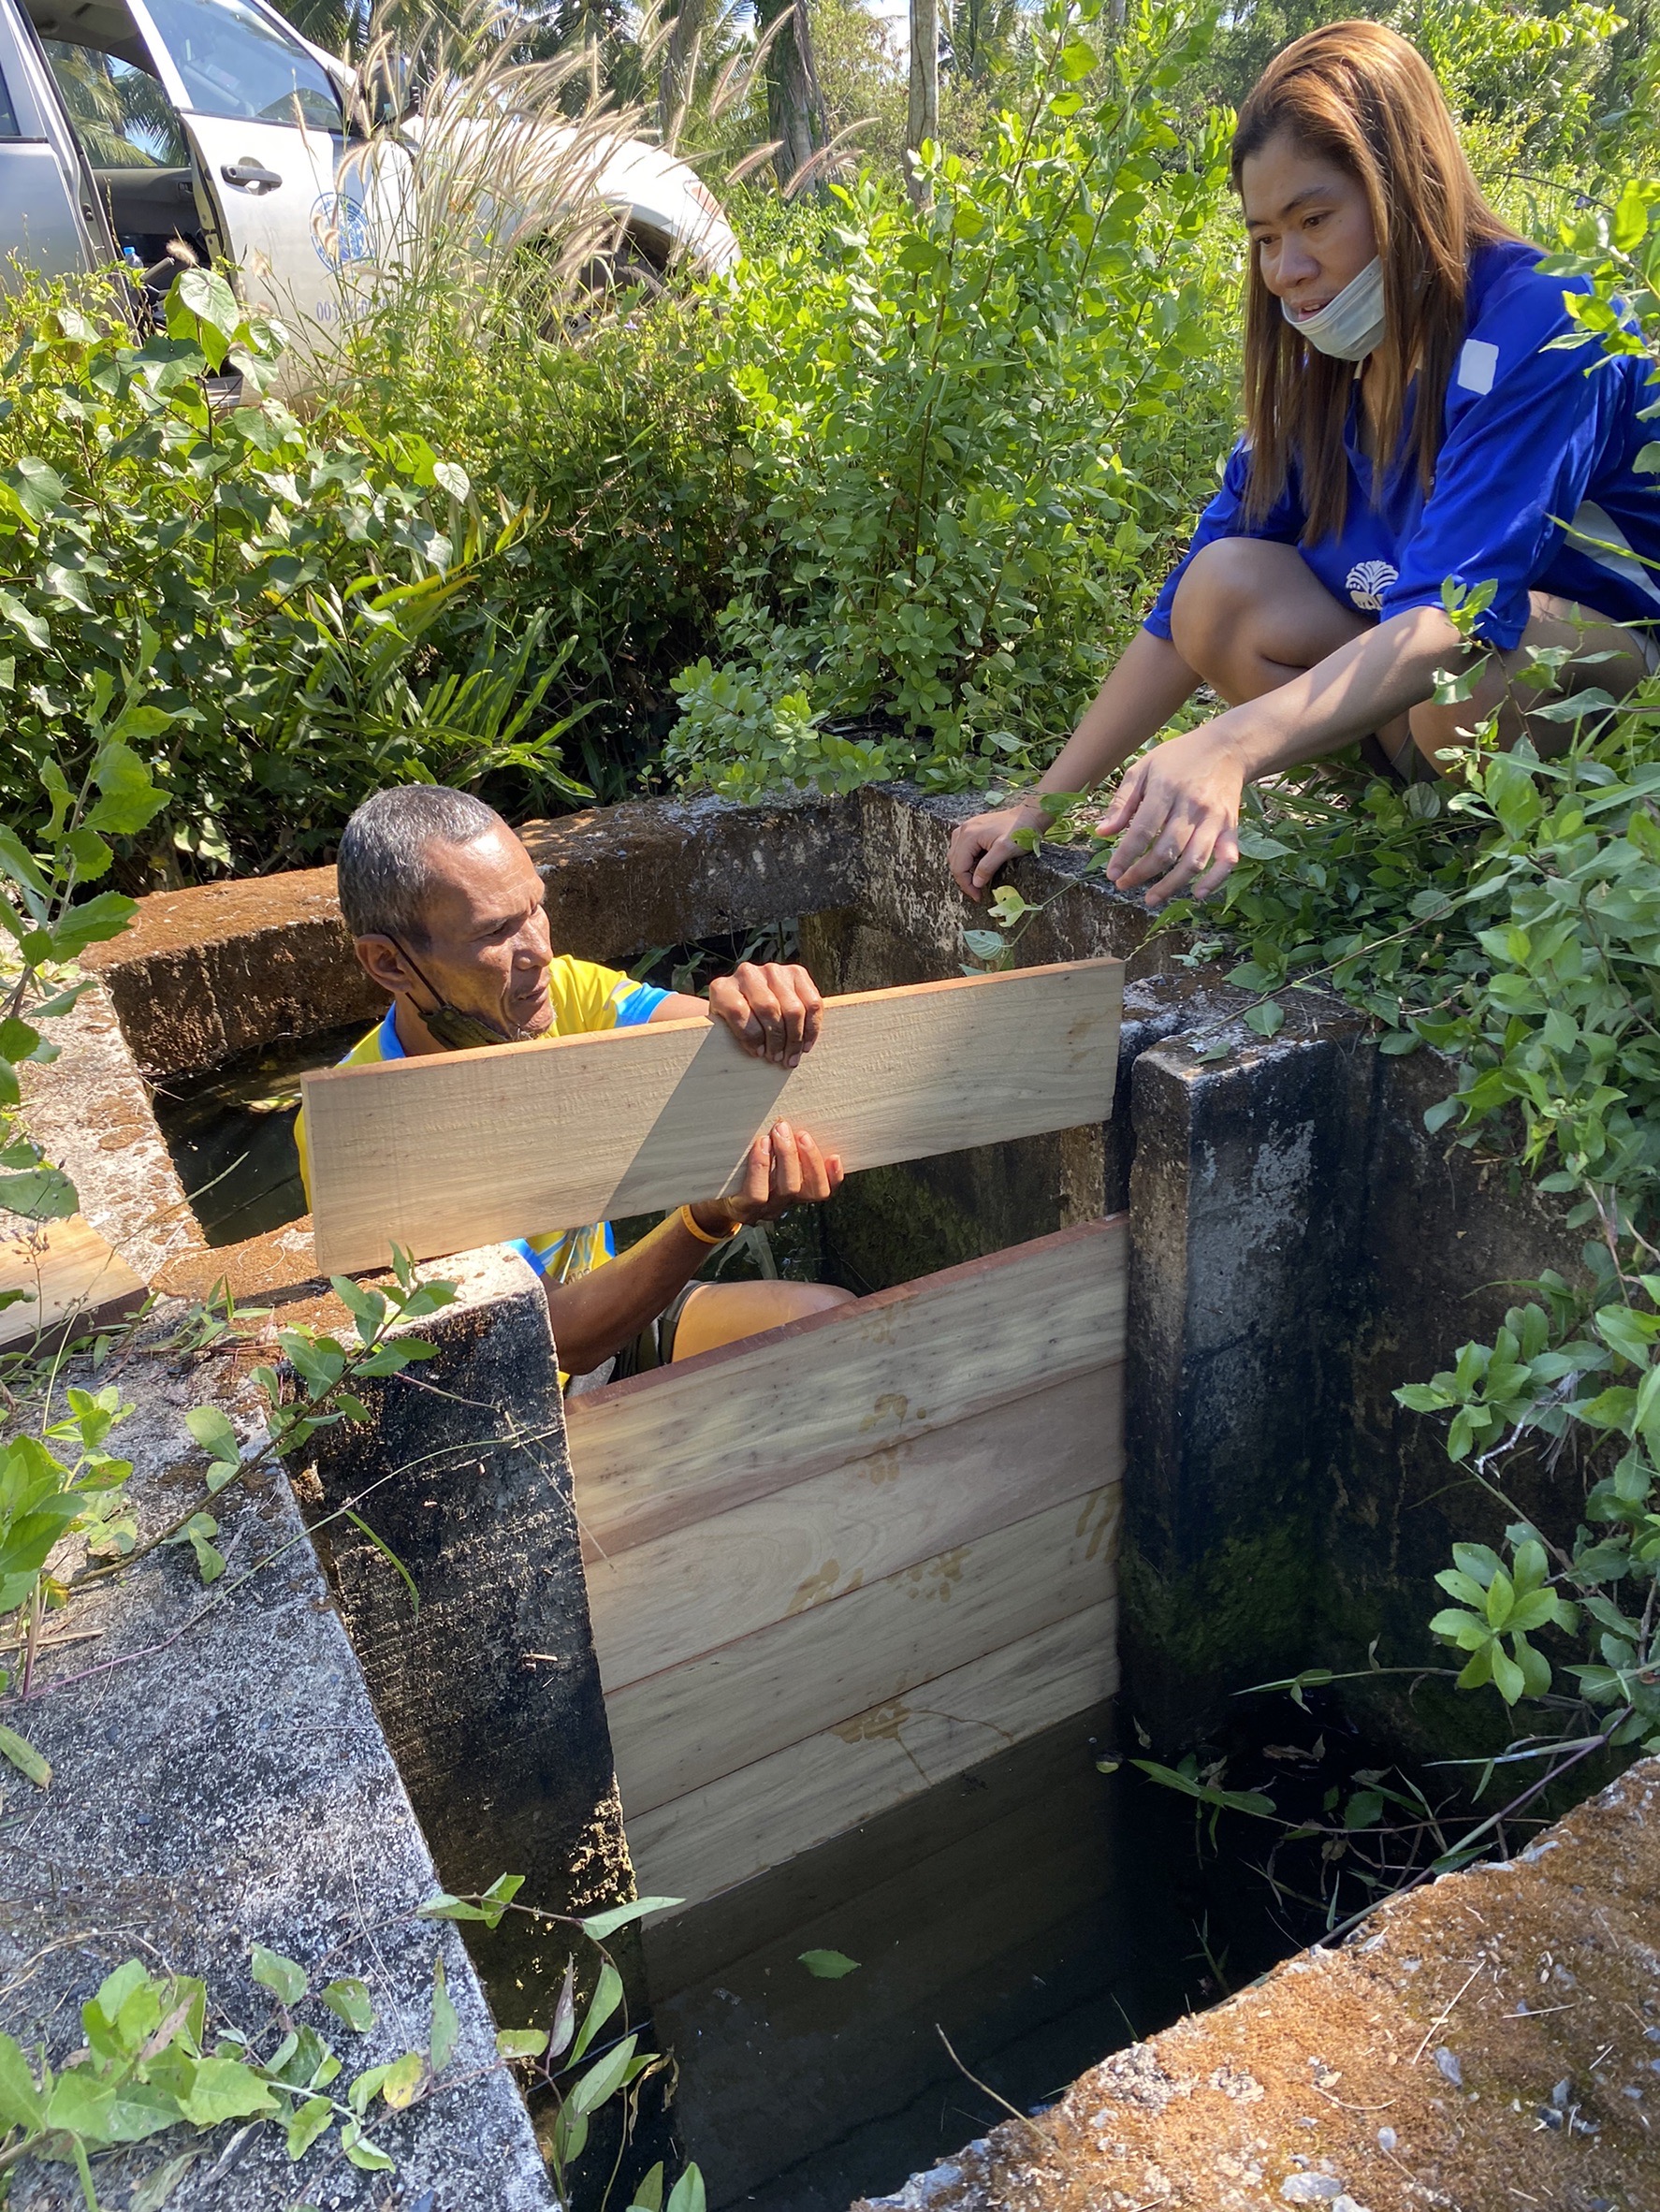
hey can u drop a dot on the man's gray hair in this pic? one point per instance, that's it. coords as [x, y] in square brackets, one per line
[384, 875]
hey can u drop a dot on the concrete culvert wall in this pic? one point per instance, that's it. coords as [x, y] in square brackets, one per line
[1298, 1245]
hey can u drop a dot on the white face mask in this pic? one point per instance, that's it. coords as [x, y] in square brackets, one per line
[1351, 326]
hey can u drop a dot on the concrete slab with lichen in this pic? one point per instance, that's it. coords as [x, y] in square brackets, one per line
[220, 1780]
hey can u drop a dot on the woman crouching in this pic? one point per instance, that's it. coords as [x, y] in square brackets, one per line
[1408, 423]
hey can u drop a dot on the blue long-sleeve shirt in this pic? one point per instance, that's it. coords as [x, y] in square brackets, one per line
[1536, 488]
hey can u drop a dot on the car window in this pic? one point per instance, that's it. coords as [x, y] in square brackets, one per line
[235, 63]
[122, 116]
[8, 128]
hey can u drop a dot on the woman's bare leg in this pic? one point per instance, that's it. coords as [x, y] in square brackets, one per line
[1249, 616]
[1555, 623]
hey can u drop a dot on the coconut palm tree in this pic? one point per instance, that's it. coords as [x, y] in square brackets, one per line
[122, 116]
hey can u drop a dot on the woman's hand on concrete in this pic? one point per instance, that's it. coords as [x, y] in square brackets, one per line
[774, 1011]
[1175, 816]
[980, 846]
[785, 1167]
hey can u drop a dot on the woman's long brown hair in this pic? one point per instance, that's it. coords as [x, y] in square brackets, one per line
[1360, 96]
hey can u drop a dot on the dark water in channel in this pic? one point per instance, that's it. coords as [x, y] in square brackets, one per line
[231, 1133]
[1040, 1913]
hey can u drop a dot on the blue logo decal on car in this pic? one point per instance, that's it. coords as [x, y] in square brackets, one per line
[340, 230]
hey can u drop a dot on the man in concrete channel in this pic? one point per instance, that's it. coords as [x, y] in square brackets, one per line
[446, 913]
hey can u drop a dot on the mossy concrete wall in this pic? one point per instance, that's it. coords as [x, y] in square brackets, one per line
[483, 1675]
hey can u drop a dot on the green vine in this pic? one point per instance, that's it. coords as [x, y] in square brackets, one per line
[151, 2064]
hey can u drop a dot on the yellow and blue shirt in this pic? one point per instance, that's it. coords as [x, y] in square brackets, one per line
[586, 998]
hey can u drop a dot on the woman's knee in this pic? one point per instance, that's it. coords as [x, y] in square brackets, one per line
[1222, 581]
[1599, 652]
[1248, 611]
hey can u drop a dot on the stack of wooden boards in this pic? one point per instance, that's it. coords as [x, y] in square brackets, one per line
[833, 1565]
[836, 1563]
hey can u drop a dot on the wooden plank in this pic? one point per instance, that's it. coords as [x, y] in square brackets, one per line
[663, 1449]
[689, 1725]
[458, 1149]
[68, 1271]
[716, 1837]
[898, 1873]
[659, 1604]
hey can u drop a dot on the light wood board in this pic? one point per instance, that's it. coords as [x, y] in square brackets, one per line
[939, 1874]
[659, 1604]
[691, 1723]
[453, 1150]
[756, 1817]
[69, 1273]
[660, 1451]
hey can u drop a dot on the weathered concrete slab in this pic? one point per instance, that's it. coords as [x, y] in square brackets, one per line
[204, 974]
[220, 1780]
[90, 1111]
[489, 1694]
[1490, 2041]
[909, 890]
[663, 872]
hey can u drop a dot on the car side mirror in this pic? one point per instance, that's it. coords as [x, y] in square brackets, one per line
[390, 92]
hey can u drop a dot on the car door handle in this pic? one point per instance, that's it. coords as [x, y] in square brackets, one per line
[250, 176]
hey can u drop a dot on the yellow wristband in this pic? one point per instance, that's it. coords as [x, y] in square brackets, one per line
[689, 1224]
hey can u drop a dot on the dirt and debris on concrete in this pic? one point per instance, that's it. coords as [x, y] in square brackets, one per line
[90, 1111]
[1492, 2041]
[217, 913]
[279, 1264]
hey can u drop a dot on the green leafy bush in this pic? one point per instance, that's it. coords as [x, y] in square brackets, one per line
[45, 911]
[276, 594]
[976, 428]
[626, 461]
[1532, 87]
[749, 725]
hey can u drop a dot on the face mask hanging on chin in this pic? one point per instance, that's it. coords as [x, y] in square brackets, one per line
[460, 1032]
[455, 1031]
[1351, 326]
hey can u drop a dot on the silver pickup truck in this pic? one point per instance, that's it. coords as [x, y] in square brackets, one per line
[125, 125]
